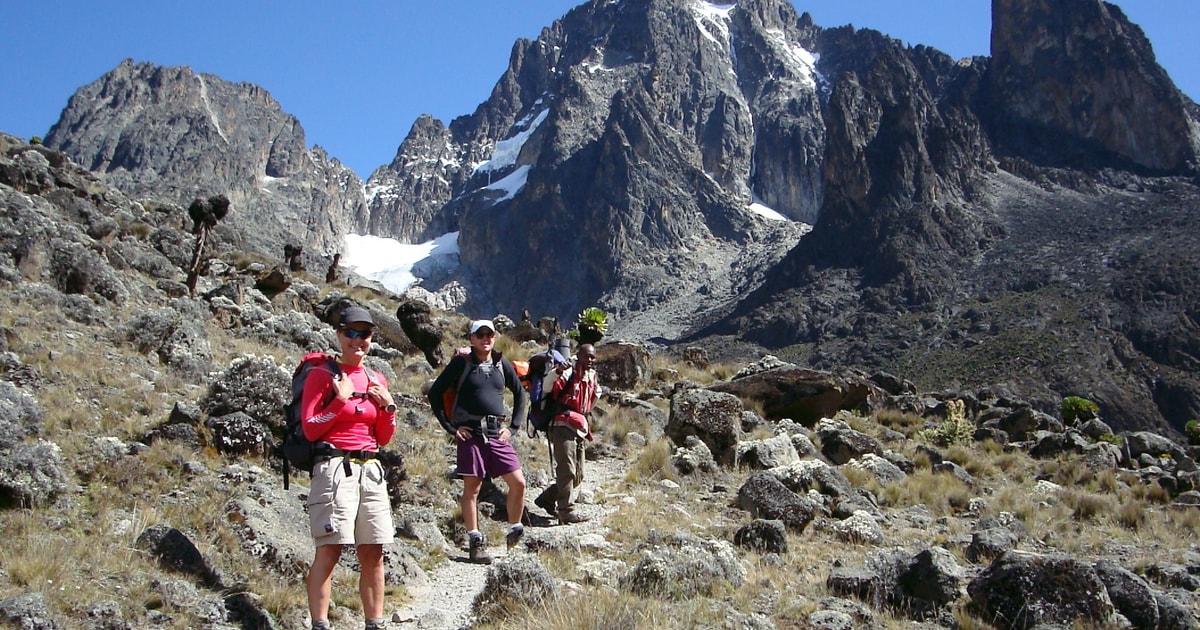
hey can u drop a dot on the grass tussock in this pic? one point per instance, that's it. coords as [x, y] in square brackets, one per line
[617, 426]
[943, 494]
[902, 421]
[1088, 507]
[653, 464]
[594, 608]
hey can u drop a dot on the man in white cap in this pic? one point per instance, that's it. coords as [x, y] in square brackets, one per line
[476, 419]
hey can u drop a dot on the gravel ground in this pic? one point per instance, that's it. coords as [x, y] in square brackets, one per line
[447, 602]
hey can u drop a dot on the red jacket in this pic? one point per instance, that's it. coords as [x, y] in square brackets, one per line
[351, 425]
[578, 393]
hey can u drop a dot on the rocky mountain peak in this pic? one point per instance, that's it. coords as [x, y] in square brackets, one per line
[173, 134]
[1077, 81]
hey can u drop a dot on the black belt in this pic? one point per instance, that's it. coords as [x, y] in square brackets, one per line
[364, 455]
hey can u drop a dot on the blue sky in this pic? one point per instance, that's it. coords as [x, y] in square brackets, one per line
[357, 74]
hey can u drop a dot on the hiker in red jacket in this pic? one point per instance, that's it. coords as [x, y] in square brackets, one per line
[348, 501]
[575, 391]
[477, 422]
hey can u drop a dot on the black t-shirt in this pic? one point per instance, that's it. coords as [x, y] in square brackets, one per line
[481, 392]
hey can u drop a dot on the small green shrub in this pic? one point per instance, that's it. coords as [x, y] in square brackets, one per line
[1192, 430]
[1074, 408]
[955, 429]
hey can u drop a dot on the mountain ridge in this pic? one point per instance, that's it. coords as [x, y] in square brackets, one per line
[633, 137]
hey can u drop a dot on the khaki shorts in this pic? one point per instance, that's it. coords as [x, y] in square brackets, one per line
[349, 509]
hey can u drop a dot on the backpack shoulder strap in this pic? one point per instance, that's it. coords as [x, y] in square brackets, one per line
[566, 376]
[373, 377]
[462, 376]
[335, 368]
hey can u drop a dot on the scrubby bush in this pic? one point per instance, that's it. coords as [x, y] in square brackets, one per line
[955, 429]
[256, 386]
[1075, 408]
[20, 415]
[1192, 430]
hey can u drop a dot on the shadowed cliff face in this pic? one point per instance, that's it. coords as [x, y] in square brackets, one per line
[966, 232]
[1074, 83]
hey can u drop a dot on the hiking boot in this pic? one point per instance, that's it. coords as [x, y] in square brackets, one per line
[569, 517]
[514, 536]
[546, 502]
[478, 551]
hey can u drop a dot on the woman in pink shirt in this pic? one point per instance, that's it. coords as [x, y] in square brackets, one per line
[348, 501]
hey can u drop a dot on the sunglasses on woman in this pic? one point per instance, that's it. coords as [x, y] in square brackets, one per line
[354, 333]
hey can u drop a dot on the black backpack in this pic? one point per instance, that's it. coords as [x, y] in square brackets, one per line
[298, 451]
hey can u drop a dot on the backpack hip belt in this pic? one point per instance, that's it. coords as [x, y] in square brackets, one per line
[363, 455]
[360, 457]
[481, 425]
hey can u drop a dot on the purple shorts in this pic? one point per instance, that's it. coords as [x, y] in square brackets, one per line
[493, 459]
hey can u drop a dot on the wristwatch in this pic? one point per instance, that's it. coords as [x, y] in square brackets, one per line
[390, 408]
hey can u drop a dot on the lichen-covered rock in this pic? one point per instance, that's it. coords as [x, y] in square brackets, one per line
[1022, 590]
[684, 566]
[713, 417]
[764, 496]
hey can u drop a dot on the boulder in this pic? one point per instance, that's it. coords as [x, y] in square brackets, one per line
[764, 496]
[622, 365]
[713, 417]
[803, 395]
[1068, 591]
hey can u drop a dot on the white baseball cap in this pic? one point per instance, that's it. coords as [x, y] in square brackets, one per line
[480, 324]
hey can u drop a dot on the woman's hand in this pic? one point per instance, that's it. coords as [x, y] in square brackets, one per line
[504, 434]
[343, 388]
[462, 433]
[379, 395]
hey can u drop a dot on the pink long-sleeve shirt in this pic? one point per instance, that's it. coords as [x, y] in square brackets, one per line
[351, 425]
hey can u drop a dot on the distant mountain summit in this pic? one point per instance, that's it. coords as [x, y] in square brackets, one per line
[1022, 220]
[1003, 220]
[172, 134]
[1075, 83]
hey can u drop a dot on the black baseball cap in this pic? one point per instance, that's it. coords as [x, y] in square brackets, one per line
[355, 315]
